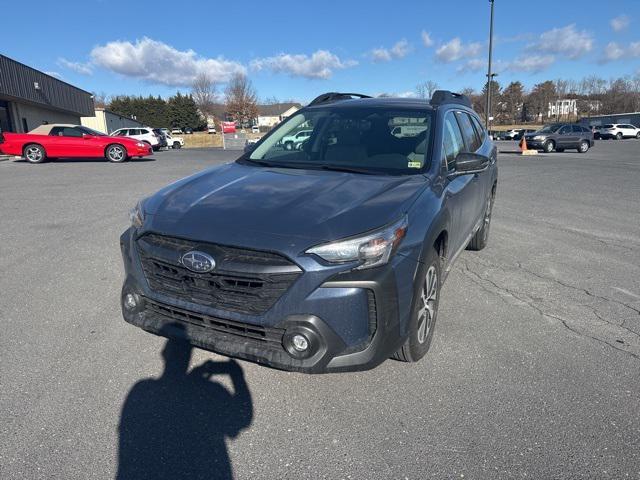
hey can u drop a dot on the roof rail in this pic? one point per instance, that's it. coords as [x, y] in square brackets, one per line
[441, 97]
[334, 96]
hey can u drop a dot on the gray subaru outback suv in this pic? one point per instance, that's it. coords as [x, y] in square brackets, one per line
[327, 257]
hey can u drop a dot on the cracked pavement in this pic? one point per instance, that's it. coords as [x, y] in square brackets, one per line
[534, 370]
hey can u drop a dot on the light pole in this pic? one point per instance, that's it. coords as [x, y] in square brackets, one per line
[489, 74]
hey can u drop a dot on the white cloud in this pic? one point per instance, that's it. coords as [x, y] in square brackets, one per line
[530, 63]
[157, 62]
[399, 50]
[612, 52]
[473, 65]
[54, 74]
[634, 49]
[456, 50]
[78, 67]
[620, 23]
[565, 41]
[426, 39]
[320, 65]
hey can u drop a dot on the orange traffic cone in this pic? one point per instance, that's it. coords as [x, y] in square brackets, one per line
[523, 144]
[524, 149]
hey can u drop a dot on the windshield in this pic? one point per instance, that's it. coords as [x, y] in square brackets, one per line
[366, 140]
[550, 128]
[91, 131]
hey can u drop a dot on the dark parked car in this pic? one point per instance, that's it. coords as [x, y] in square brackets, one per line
[560, 137]
[330, 257]
[162, 138]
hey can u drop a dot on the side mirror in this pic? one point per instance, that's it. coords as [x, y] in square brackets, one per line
[467, 163]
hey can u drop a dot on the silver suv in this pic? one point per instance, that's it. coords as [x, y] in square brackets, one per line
[619, 131]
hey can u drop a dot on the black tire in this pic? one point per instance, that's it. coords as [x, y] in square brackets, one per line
[481, 237]
[423, 320]
[176, 145]
[116, 153]
[549, 146]
[34, 153]
[583, 147]
[619, 136]
[638, 135]
[288, 146]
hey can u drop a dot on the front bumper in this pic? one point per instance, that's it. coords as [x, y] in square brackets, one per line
[352, 319]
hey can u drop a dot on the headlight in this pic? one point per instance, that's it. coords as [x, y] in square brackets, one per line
[141, 144]
[136, 215]
[539, 137]
[373, 249]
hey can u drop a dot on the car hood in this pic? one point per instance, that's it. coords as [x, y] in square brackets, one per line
[262, 207]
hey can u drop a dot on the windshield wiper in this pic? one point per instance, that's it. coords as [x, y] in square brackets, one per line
[339, 168]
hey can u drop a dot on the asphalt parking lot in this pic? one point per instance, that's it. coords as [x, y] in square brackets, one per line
[534, 371]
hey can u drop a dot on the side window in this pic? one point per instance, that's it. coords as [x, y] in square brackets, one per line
[468, 132]
[576, 128]
[134, 131]
[452, 143]
[70, 132]
[121, 133]
[56, 131]
[565, 130]
[142, 131]
[479, 129]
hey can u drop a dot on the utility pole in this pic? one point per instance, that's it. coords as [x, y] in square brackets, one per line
[489, 74]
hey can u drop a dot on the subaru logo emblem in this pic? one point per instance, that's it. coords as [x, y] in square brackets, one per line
[198, 262]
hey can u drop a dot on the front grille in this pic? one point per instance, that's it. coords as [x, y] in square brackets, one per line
[244, 281]
[266, 336]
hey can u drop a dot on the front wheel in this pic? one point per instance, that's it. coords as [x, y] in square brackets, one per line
[549, 146]
[583, 147]
[176, 145]
[34, 153]
[618, 136]
[481, 237]
[288, 146]
[638, 136]
[116, 153]
[424, 311]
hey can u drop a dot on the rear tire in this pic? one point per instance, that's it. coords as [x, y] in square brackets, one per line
[288, 146]
[618, 136]
[426, 297]
[549, 146]
[116, 153]
[638, 136]
[583, 147]
[34, 153]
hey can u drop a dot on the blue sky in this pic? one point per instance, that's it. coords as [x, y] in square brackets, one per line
[293, 49]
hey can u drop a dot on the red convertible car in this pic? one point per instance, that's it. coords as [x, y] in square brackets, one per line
[57, 140]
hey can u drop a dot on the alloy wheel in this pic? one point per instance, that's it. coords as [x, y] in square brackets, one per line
[428, 298]
[116, 154]
[33, 154]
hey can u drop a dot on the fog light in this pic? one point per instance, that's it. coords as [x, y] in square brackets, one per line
[300, 342]
[130, 301]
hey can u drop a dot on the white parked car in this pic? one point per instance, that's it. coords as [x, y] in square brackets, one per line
[174, 142]
[619, 131]
[176, 131]
[291, 142]
[255, 129]
[512, 134]
[211, 129]
[145, 135]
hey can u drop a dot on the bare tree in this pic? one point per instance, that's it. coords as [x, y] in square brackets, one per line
[241, 99]
[272, 100]
[426, 89]
[203, 91]
[101, 99]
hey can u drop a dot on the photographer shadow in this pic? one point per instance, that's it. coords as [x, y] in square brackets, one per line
[175, 426]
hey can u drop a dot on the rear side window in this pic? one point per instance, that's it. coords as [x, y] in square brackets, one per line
[452, 143]
[468, 132]
[608, 125]
[576, 128]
